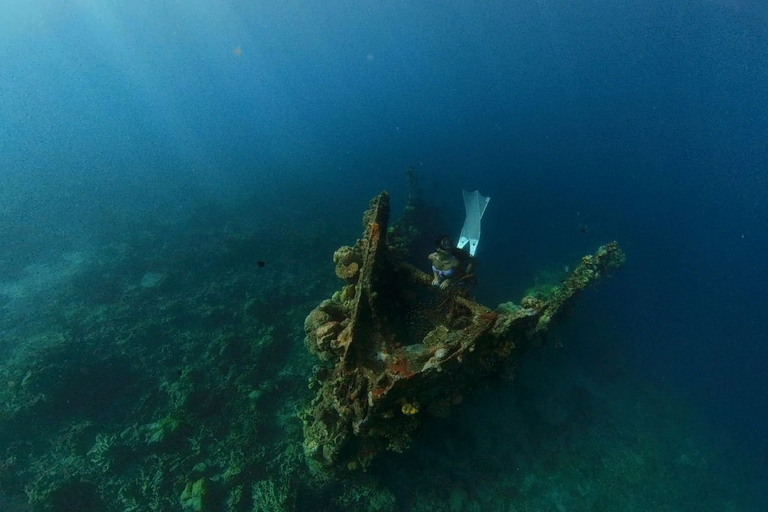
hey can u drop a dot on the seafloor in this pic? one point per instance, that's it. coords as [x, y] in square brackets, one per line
[162, 368]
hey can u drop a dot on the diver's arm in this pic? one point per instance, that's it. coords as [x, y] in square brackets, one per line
[434, 273]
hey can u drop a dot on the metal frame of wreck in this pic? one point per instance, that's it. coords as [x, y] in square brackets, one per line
[398, 349]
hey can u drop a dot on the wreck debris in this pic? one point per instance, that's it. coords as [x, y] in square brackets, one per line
[401, 348]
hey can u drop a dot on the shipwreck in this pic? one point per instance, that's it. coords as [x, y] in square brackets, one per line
[397, 350]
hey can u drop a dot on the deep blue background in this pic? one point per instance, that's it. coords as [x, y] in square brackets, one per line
[646, 121]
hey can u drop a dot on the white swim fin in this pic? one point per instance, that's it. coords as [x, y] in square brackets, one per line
[475, 206]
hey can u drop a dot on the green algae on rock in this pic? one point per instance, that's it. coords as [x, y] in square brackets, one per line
[193, 496]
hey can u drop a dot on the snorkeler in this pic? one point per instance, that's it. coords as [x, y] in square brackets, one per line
[449, 263]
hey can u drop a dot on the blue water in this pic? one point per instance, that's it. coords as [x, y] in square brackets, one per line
[644, 122]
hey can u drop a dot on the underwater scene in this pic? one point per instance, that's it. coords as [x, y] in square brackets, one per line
[273, 256]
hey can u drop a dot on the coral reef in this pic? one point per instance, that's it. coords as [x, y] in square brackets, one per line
[185, 391]
[175, 392]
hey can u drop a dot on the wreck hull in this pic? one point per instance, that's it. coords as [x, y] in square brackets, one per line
[399, 350]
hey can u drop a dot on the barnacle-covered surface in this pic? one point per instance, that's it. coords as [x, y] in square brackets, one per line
[400, 348]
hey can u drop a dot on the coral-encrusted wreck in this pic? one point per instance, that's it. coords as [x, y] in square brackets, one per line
[401, 349]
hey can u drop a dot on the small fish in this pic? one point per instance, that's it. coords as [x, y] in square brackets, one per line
[583, 228]
[261, 263]
[566, 268]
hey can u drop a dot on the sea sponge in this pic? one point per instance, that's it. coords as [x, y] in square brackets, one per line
[315, 319]
[347, 271]
[327, 332]
[347, 262]
[347, 293]
[529, 301]
[344, 255]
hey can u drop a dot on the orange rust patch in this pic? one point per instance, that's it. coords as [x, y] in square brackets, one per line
[490, 316]
[379, 391]
[400, 367]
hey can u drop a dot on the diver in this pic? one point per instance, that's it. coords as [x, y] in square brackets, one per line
[450, 265]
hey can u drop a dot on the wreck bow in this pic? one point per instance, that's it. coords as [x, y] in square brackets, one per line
[397, 348]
